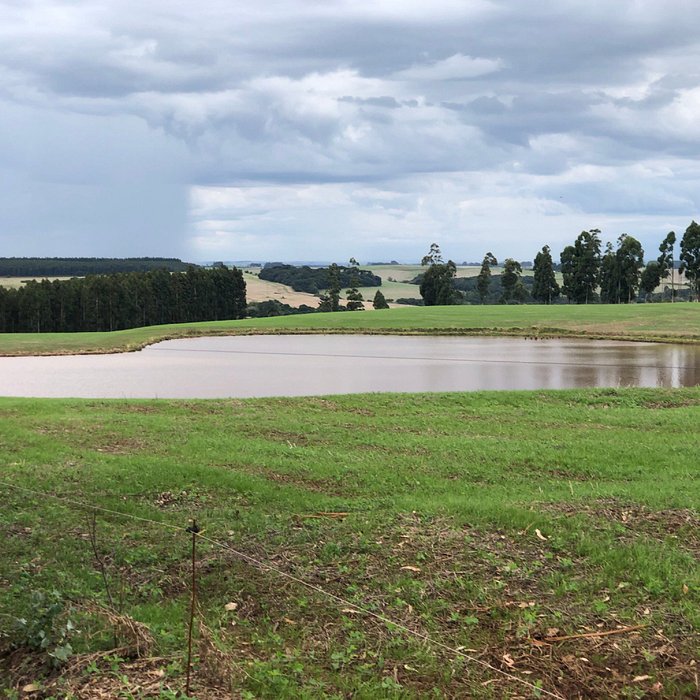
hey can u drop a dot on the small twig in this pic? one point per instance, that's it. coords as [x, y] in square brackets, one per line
[586, 635]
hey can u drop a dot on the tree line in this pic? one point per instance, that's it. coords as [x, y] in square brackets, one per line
[123, 300]
[312, 280]
[615, 275]
[80, 267]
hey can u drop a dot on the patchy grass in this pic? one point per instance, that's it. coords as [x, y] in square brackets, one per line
[651, 322]
[551, 535]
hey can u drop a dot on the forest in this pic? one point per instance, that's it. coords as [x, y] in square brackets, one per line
[80, 267]
[123, 300]
[313, 280]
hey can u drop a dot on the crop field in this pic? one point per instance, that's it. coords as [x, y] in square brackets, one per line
[487, 545]
[16, 282]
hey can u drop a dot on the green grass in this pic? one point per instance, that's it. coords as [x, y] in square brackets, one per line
[661, 322]
[520, 516]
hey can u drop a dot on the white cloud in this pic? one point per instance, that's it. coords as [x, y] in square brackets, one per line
[395, 121]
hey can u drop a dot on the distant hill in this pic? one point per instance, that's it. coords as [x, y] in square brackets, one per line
[80, 267]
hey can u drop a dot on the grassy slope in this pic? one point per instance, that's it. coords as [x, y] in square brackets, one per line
[634, 322]
[520, 515]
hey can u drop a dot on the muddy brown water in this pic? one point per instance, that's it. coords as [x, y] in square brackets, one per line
[256, 366]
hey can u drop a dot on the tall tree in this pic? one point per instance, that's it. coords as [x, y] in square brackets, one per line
[330, 301]
[433, 257]
[354, 296]
[545, 287]
[609, 276]
[483, 279]
[580, 265]
[510, 279]
[630, 260]
[665, 260]
[650, 279]
[690, 256]
[436, 286]
[620, 270]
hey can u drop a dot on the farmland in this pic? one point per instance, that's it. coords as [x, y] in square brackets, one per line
[653, 322]
[494, 544]
[552, 536]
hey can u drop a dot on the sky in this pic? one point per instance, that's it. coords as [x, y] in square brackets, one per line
[325, 129]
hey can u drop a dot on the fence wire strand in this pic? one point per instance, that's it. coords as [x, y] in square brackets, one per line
[263, 566]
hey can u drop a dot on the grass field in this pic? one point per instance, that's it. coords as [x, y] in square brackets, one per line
[655, 322]
[552, 535]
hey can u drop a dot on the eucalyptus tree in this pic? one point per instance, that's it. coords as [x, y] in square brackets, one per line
[620, 270]
[545, 287]
[354, 296]
[630, 261]
[650, 279]
[580, 265]
[436, 285]
[690, 256]
[483, 279]
[510, 280]
[665, 260]
[330, 300]
[609, 276]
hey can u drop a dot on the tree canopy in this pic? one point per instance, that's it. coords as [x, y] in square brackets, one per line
[513, 289]
[690, 256]
[545, 287]
[436, 286]
[313, 280]
[483, 279]
[580, 265]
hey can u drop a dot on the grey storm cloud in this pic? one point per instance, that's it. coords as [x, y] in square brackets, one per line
[115, 117]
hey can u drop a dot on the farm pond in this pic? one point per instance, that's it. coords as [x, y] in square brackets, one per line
[258, 366]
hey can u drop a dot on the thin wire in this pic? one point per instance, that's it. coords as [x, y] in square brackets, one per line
[382, 618]
[280, 572]
[79, 504]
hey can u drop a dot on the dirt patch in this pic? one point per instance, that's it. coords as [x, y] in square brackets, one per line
[327, 487]
[92, 676]
[15, 530]
[94, 437]
[119, 445]
[288, 438]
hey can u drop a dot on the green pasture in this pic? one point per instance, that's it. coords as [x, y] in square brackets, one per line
[678, 322]
[516, 527]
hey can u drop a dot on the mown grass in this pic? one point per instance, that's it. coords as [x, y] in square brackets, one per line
[490, 522]
[652, 322]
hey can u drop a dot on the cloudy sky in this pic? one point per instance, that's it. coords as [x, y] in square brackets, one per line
[324, 129]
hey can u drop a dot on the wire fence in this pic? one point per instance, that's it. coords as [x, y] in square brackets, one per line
[193, 537]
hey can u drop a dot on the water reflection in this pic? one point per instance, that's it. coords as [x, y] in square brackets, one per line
[311, 365]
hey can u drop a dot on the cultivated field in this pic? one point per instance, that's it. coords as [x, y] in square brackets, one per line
[262, 290]
[17, 282]
[549, 536]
